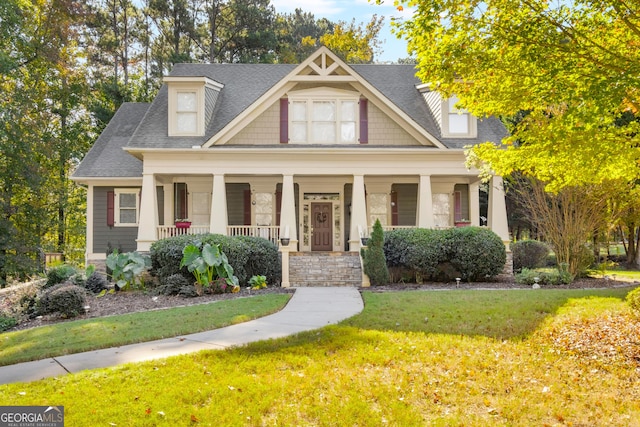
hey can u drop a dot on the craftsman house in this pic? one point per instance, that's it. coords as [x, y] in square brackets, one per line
[313, 153]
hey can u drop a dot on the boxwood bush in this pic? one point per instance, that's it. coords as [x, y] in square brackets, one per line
[471, 253]
[64, 298]
[529, 254]
[474, 253]
[248, 256]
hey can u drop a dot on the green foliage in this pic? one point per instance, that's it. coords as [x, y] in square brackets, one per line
[633, 299]
[546, 59]
[258, 282]
[96, 283]
[7, 322]
[374, 263]
[59, 274]
[471, 253]
[207, 264]
[127, 268]
[354, 44]
[174, 285]
[247, 255]
[554, 277]
[529, 254]
[65, 298]
[475, 253]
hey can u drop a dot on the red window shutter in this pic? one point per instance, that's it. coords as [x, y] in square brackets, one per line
[284, 121]
[247, 207]
[457, 206]
[111, 208]
[364, 121]
[278, 206]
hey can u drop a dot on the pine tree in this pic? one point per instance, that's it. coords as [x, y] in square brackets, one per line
[375, 263]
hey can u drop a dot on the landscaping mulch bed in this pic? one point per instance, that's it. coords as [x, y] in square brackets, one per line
[135, 301]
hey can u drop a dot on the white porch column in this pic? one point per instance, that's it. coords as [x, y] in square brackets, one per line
[359, 222]
[288, 213]
[148, 221]
[169, 210]
[474, 203]
[219, 218]
[88, 251]
[288, 226]
[425, 203]
[497, 215]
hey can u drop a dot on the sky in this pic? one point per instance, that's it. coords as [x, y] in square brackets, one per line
[362, 11]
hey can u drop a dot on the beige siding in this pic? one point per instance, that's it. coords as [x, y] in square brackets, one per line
[384, 131]
[434, 100]
[264, 130]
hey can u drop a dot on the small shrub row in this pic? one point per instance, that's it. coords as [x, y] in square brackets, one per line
[470, 253]
[249, 256]
[543, 278]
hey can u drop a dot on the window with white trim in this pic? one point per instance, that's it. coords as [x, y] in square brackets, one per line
[126, 206]
[457, 122]
[323, 120]
[186, 112]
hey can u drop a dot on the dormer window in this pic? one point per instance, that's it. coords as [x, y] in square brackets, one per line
[188, 98]
[457, 122]
[187, 112]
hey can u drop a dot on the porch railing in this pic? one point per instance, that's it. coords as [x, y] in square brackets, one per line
[165, 231]
[269, 232]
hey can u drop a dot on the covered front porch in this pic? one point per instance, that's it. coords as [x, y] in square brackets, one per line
[312, 213]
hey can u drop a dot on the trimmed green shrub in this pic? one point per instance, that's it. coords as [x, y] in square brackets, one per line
[59, 274]
[248, 256]
[474, 253]
[529, 254]
[263, 260]
[174, 284]
[544, 278]
[471, 253]
[96, 283]
[65, 298]
[375, 264]
[417, 251]
[7, 322]
[633, 299]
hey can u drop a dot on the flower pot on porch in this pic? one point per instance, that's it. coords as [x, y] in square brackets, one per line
[285, 241]
[183, 224]
[364, 241]
[463, 223]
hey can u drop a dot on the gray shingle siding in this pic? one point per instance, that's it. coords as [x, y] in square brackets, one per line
[107, 238]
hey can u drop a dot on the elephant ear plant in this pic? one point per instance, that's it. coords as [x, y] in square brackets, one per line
[210, 267]
[127, 268]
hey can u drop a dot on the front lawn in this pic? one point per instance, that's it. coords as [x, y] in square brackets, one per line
[102, 332]
[386, 366]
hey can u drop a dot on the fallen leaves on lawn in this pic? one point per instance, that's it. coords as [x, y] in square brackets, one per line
[608, 337]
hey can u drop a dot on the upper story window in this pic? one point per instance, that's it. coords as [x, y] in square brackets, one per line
[187, 112]
[323, 117]
[187, 107]
[457, 122]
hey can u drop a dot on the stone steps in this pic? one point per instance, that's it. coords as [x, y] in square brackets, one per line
[325, 269]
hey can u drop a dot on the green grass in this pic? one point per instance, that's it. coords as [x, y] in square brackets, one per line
[365, 372]
[500, 314]
[91, 334]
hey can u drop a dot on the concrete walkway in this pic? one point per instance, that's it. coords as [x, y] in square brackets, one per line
[308, 309]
